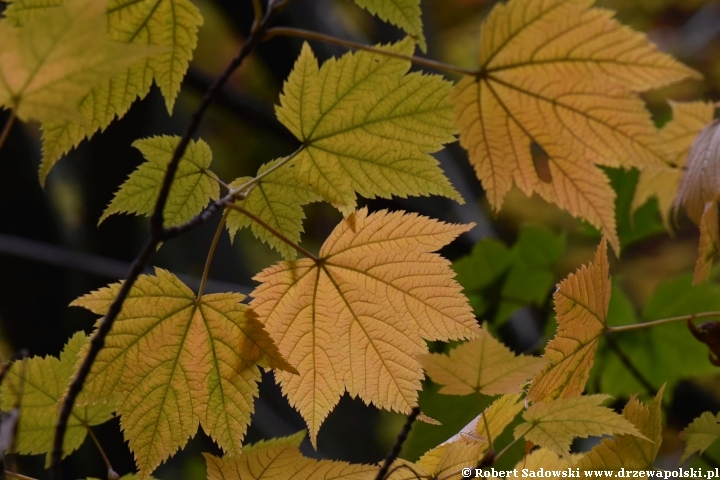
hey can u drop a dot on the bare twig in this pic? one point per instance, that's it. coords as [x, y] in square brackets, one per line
[662, 321]
[402, 436]
[157, 234]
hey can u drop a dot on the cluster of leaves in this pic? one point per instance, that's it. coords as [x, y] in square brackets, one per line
[554, 97]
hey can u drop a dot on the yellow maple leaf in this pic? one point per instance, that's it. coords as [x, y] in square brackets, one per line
[50, 62]
[169, 27]
[37, 385]
[496, 419]
[403, 13]
[277, 199]
[700, 434]
[190, 192]
[198, 364]
[281, 458]
[355, 317]
[367, 126]
[631, 452]
[559, 78]
[553, 425]
[581, 303]
[483, 365]
[677, 137]
[709, 243]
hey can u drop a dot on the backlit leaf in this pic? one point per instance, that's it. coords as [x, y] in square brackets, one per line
[554, 425]
[700, 434]
[169, 25]
[677, 136]
[498, 416]
[281, 458]
[277, 199]
[39, 384]
[403, 13]
[199, 365]
[630, 452]
[357, 318]
[581, 304]
[56, 57]
[367, 126]
[483, 365]
[191, 191]
[561, 77]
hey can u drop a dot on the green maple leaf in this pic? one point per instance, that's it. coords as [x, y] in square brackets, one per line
[402, 13]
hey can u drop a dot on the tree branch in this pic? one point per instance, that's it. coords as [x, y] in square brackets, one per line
[402, 436]
[157, 235]
[662, 321]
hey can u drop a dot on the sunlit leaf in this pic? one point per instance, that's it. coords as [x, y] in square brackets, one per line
[403, 13]
[700, 434]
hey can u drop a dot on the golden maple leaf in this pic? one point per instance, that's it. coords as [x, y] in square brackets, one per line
[581, 304]
[631, 452]
[483, 365]
[280, 458]
[677, 136]
[174, 361]
[554, 96]
[488, 426]
[553, 425]
[355, 318]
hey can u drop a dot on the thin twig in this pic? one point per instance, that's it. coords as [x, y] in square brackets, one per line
[111, 470]
[270, 229]
[662, 321]
[211, 253]
[310, 35]
[402, 436]
[18, 475]
[157, 235]
[625, 360]
[8, 126]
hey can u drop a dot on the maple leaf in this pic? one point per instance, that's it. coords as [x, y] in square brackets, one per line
[277, 199]
[55, 58]
[553, 97]
[483, 365]
[190, 192]
[37, 385]
[553, 425]
[355, 318]
[677, 136]
[281, 458]
[367, 126]
[198, 365]
[498, 416]
[168, 27]
[631, 452]
[581, 304]
[402, 13]
[700, 434]
[709, 243]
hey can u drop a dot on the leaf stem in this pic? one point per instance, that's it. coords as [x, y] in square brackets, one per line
[18, 475]
[8, 126]
[270, 229]
[662, 321]
[402, 436]
[211, 254]
[507, 447]
[111, 471]
[241, 192]
[257, 9]
[157, 234]
[310, 35]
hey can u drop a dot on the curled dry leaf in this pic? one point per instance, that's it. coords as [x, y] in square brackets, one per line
[709, 334]
[701, 182]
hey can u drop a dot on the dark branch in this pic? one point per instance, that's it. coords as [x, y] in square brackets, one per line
[402, 436]
[157, 235]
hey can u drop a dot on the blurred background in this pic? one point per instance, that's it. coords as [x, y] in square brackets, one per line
[52, 251]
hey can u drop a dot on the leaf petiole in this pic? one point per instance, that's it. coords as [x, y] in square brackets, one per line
[7, 127]
[211, 254]
[662, 321]
[310, 35]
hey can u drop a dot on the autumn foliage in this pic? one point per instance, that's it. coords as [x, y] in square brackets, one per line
[553, 103]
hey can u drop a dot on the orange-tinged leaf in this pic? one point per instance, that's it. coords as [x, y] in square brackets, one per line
[677, 136]
[630, 451]
[553, 425]
[367, 126]
[581, 303]
[279, 459]
[709, 243]
[483, 365]
[559, 77]
[701, 182]
[174, 361]
[356, 318]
